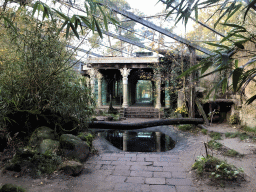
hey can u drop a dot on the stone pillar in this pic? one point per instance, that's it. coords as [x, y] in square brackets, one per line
[125, 72]
[167, 95]
[158, 90]
[125, 139]
[99, 77]
[158, 141]
[92, 73]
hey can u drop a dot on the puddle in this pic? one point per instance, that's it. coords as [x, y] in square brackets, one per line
[139, 141]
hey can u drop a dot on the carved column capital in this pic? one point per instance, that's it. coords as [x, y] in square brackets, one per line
[125, 72]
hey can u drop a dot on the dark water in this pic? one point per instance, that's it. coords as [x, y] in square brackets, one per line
[139, 141]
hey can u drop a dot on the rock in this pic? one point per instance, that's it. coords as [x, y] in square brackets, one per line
[39, 135]
[11, 188]
[73, 147]
[49, 145]
[101, 118]
[73, 168]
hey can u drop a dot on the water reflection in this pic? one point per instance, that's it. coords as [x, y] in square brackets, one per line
[133, 141]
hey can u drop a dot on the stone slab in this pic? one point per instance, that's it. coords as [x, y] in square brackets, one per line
[155, 181]
[121, 172]
[179, 182]
[135, 180]
[179, 174]
[141, 174]
[162, 174]
[115, 179]
[186, 189]
[162, 188]
[127, 187]
[151, 168]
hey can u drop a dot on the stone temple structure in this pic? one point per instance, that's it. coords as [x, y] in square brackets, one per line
[125, 81]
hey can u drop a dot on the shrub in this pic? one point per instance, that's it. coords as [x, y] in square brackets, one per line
[216, 168]
[36, 77]
[234, 119]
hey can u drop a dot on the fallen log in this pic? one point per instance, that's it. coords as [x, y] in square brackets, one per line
[130, 126]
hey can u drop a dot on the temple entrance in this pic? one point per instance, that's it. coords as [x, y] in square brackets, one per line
[144, 92]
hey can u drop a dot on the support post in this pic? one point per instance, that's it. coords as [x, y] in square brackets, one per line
[125, 72]
[99, 77]
[192, 92]
[167, 95]
[92, 73]
[158, 90]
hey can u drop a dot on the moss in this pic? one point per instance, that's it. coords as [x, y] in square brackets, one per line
[34, 163]
[11, 188]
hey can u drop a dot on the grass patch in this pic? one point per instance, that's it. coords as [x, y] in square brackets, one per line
[250, 129]
[242, 136]
[214, 145]
[216, 168]
[231, 153]
[204, 131]
[186, 127]
[215, 135]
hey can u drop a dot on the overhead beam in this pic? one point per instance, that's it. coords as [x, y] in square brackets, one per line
[83, 50]
[122, 38]
[159, 29]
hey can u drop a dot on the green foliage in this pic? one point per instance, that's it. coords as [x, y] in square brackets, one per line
[186, 127]
[216, 168]
[73, 23]
[215, 135]
[231, 153]
[239, 18]
[87, 137]
[214, 145]
[37, 80]
[233, 119]
[250, 129]
[204, 131]
[34, 163]
[242, 136]
[8, 187]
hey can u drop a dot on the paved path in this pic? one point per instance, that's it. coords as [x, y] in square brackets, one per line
[138, 172]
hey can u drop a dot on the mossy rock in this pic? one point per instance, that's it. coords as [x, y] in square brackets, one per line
[73, 147]
[49, 146]
[11, 188]
[73, 168]
[39, 135]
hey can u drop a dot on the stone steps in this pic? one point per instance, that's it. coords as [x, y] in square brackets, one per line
[141, 112]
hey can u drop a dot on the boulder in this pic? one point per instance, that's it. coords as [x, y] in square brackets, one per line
[73, 147]
[49, 145]
[73, 168]
[11, 188]
[39, 135]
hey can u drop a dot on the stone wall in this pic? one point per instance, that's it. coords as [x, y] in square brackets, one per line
[247, 113]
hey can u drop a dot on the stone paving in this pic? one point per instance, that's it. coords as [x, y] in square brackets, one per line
[142, 172]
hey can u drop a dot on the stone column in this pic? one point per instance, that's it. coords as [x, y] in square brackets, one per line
[125, 139]
[158, 141]
[158, 90]
[167, 95]
[92, 73]
[125, 72]
[99, 77]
